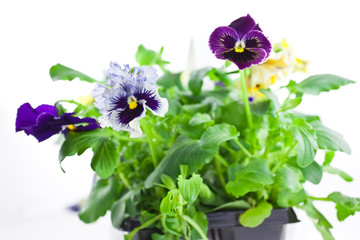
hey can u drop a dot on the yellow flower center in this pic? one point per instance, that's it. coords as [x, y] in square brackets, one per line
[71, 127]
[132, 102]
[239, 47]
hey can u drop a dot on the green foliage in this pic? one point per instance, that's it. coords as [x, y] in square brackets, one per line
[196, 80]
[148, 57]
[345, 205]
[253, 217]
[190, 188]
[60, 72]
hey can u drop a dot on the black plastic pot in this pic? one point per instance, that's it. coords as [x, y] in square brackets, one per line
[225, 226]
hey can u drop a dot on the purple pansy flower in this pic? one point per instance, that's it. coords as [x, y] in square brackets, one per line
[44, 121]
[126, 97]
[242, 43]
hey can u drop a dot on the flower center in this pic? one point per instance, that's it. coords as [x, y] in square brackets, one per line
[71, 127]
[239, 46]
[132, 102]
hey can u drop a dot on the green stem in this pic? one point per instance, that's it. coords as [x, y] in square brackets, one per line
[196, 226]
[242, 148]
[150, 137]
[127, 139]
[145, 225]
[124, 180]
[319, 199]
[219, 172]
[245, 99]
[222, 160]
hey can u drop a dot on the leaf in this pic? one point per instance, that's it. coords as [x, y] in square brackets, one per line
[196, 80]
[253, 217]
[200, 118]
[118, 210]
[306, 144]
[316, 84]
[185, 151]
[329, 156]
[60, 72]
[250, 178]
[274, 99]
[345, 205]
[260, 108]
[227, 63]
[106, 154]
[288, 178]
[232, 113]
[168, 182]
[170, 80]
[103, 195]
[149, 57]
[190, 188]
[339, 172]
[287, 198]
[313, 172]
[330, 140]
[201, 220]
[290, 104]
[238, 204]
[220, 76]
[217, 134]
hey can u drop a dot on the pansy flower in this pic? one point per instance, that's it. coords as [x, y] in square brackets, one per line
[242, 43]
[44, 121]
[129, 92]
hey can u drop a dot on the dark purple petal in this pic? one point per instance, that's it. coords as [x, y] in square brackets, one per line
[47, 109]
[119, 101]
[256, 39]
[223, 39]
[25, 118]
[127, 115]
[243, 25]
[150, 98]
[249, 57]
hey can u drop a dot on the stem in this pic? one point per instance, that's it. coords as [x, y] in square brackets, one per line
[196, 226]
[218, 171]
[246, 99]
[319, 199]
[222, 160]
[127, 139]
[152, 145]
[145, 225]
[124, 180]
[242, 148]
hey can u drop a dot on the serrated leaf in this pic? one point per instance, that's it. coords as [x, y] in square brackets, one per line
[253, 217]
[330, 140]
[339, 172]
[313, 172]
[217, 134]
[316, 84]
[103, 195]
[185, 151]
[196, 80]
[190, 188]
[288, 178]
[345, 205]
[306, 145]
[250, 178]
[106, 156]
[232, 113]
[61, 72]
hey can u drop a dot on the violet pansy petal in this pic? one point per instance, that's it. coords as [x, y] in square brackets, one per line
[25, 118]
[243, 25]
[223, 39]
[118, 74]
[157, 105]
[256, 39]
[246, 59]
[44, 108]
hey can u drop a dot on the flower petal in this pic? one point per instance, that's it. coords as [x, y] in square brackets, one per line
[25, 118]
[249, 57]
[243, 25]
[222, 39]
[149, 74]
[157, 105]
[256, 39]
[118, 75]
[47, 109]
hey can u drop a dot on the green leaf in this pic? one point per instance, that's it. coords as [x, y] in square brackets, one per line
[103, 195]
[60, 72]
[218, 75]
[232, 113]
[287, 198]
[274, 99]
[316, 84]
[330, 140]
[200, 118]
[196, 80]
[260, 108]
[169, 80]
[313, 172]
[238, 204]
[227, 63]
[168, 182]
[250, 178]
[184, 151]
[288, 178]
[290, 104]
[329, 156]
[306, 143]
[253, 217]
[320, 222]
[345, 205]
[170, 203]
[217, 134]
[342, 174]
[190, 188]
[106, 154]
[201, 220]
[149, 57]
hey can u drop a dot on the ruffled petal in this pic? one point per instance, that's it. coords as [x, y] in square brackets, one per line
[157, 105]
[25, 118]
[247, 58]
[118, 75]
[222, 39]
[52, 110]
[243, 25]
[256, 39]
[149, 75]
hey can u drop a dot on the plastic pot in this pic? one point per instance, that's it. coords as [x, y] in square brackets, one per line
[225, 226]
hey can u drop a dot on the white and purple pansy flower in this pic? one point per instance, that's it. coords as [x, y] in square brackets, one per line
[44, 121]
[242, 43]
[129, 92]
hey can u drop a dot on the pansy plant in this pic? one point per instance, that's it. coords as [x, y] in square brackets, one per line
[212, 150]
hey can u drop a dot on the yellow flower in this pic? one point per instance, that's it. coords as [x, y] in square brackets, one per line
[86, 100]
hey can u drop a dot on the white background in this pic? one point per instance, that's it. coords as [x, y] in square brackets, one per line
[87, 35]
